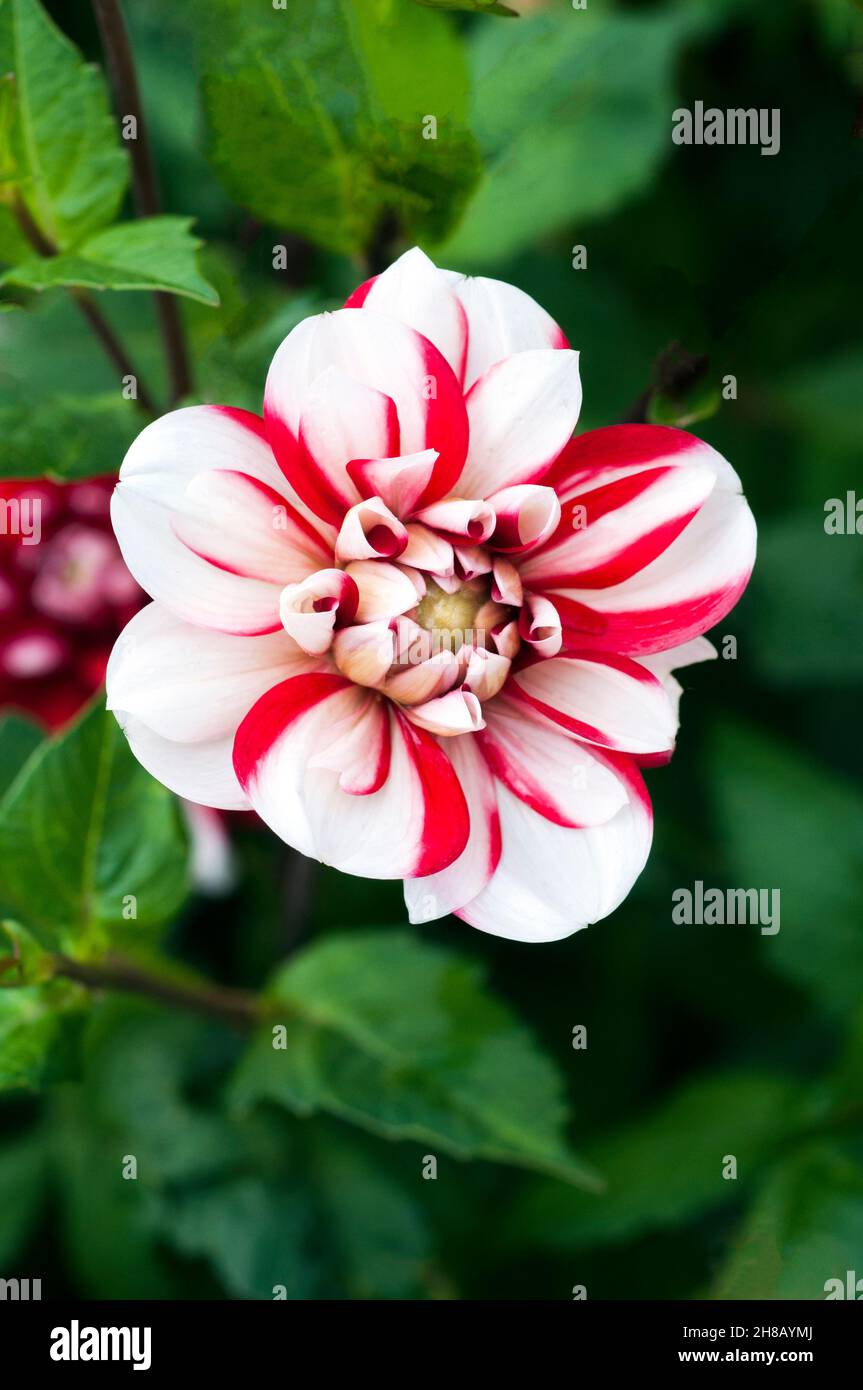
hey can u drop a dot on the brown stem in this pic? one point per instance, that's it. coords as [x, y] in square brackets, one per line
[87, 305]
[231, 1005]
[127, 100]
[113, 347]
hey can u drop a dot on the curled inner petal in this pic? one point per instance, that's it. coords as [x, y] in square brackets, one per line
[310, 611]
[526, 516]
[370, 531]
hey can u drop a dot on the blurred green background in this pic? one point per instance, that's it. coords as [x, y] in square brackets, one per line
[300, 128]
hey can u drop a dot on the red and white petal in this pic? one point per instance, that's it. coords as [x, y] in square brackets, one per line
[190, 685]
[370, 531]
[561, 778]
[506, 639]
[191, 587]
[604, 699]
[186, 442]
[400, 481]
[241, 525]
[365, 652]
[459, 712]
[437, 894]
[393, 832]
[470, 562]
[413, 290]
[425, 680]
[506, 582]
[551, 881]
[521, 411]
[383, 356]
[502, 321]
[486, 672]
[526, 516]
[679, 595]
[310, 611]
[412, 642]
[460, 518]
[361, 753]
[611, 533]
[605, 455]
[539, 624]
[153, 494]
[426, 550]
[385, 590]
[341, 419]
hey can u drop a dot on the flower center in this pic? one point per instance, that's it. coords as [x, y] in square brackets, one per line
[452, 618]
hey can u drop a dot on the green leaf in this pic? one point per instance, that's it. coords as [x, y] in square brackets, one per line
[791, 825]
[812, 582]
[256, 1234]
[154, 253]
[804, 1229]
[88, 838]
[22, 1192]
[374, 1227]
[39, 1031]
[572, 113]
[401, 1038]
[475, 6]
[265, 1200]
[69, 437]
[316, 116]
[664, 1169]
[19, 737]
[141, 1063]
[63, 151]
[111, 1245]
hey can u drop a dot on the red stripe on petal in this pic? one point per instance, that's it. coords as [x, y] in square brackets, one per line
[358, 297]
[566, 721]
[640, 632]
[280, 707]
[249, 421]
[446, 820]
[617, 446]
[446, 424]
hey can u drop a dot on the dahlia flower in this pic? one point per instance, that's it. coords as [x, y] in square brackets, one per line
[413, 622]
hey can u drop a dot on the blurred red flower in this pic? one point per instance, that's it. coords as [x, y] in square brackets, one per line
[65, 594]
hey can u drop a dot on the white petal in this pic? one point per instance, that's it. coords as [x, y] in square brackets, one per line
[610, 701]
[521, 413]
[564, 780]
[190, 685]
[413, 290]
[552, 881]
[201, 772]
[459, 712]
[502, 321]
[385, 590]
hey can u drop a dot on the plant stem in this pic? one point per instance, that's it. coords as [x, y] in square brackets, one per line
[92, 313]
[127, 100]
[114, 349]
[114, 973]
